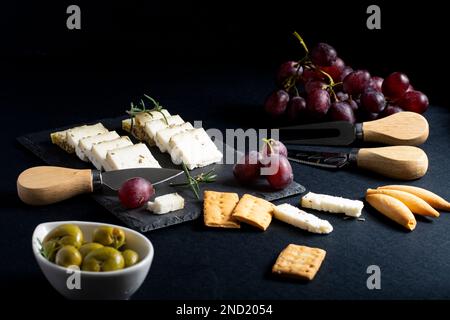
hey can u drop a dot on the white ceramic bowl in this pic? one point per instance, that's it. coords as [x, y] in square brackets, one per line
[121, 284]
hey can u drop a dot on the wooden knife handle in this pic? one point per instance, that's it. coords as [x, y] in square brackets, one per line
[399, 162]
[403, 128]
[45, 185]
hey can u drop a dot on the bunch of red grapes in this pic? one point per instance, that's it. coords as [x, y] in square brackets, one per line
[321, 86]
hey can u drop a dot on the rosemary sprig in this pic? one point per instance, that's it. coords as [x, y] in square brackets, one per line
[48, 251]
[194, 182]
[136, 109]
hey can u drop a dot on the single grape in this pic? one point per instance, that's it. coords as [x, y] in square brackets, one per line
[135, 192]
[312, 74]
[342, 96]
[282, 171]
[323, 54]
[272, 146]
[248, 168]
[295, 107]
[314, 84]
[318, 102]
[356, 82]
[342, 111]
[335, 69]
[353, 104]
[373, 101]
[414, 101]
[276, 103]
[347, 70]
[288, 69]
[376, 83]
[390, 109]
[395, 85]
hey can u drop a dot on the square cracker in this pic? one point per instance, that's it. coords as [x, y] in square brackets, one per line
[254, 211]
[217, 209]
[299, 262]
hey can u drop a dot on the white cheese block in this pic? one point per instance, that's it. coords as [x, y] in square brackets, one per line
[144, 117]
[323, 202]
[152, 127]
[76, 134]
[135, 156]
[301, 219]
[84, 146]
[194, 148]
[163, 136]
[166, 203]
[98, 152]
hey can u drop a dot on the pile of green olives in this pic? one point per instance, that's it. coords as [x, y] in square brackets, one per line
[66, 247]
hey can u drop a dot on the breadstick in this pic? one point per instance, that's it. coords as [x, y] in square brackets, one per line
[393, 209]
[433, 199]
[414, 203]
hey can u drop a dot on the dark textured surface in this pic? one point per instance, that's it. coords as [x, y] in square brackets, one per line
[192, 261]
[39, 143]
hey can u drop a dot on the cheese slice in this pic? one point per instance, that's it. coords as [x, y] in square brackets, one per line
[163, 136]
[141, 119]
[166, 203]
[194, 148]
[74, 135]
[84, 146]
[98, 152]
[152, 127]
[135, 156]
[301, 219]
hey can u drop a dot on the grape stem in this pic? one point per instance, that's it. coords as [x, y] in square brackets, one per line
[302, 42]
[269, 143]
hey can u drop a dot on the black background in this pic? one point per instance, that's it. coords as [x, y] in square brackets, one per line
[215, 61]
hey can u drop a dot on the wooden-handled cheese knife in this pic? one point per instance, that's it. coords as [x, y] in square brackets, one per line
[403, 128]
[45, 184]
[398, 162]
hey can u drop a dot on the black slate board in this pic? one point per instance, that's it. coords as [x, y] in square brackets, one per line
[140, 219]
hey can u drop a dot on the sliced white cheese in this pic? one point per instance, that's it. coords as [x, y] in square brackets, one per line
[152, 127]
[194, 148]
[98, 152]
[301, 219]
[135, 156]
[323, 202]
[141, 119]
[166, 203]
[84, 146]
[76, 134]
[163, 136]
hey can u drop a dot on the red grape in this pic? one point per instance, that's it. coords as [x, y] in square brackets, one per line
[342, 111]
[323, 54]
[390, 109]
[395, 85]
[314, 84]
[135, 192]
[282, 176]
[414, 101]
[376, 83]
[347, 70]
[248, 168]
[356, 82]
[373, 101]
[288, 69]
[276, 103]
[335, 70]
[272, 146]
[296, 106]
[353, 104]
[318, 102]
[312, 74]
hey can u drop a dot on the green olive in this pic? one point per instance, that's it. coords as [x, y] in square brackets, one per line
[68, 256]
[103, 259]
[131, 257]
[88, 247]
[66, 234]
[109, 236]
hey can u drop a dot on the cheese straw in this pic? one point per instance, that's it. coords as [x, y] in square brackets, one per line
[433, 199]
[393, 209]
